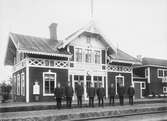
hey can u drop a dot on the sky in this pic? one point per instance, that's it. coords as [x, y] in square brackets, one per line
[138, 27]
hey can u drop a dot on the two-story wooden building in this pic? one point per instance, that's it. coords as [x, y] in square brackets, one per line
[86, 56]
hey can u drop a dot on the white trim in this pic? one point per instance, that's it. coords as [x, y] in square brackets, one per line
[132, 82]
[84, 54]
[150, 66]
[116, 82]
[27, 82]
[158, 73]
[55, 81]
[148, 79]
[91, 24]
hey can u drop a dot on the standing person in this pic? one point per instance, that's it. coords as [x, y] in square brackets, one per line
[121, 92]
[91, 95]
[101, 94]
[111, 94]
[131, 92]
[69, 94]
[79, 92]
[58, 94]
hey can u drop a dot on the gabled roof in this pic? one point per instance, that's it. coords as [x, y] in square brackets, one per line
[31, 44]
[90, 28]
[34, 45]
[154, 61]
[124, 57]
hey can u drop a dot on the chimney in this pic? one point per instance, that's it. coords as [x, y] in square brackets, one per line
[53, 31]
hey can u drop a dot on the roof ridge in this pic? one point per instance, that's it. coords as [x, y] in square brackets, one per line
[154, 58]
[13, 33]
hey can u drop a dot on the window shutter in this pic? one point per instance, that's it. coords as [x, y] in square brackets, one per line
[103, 57]
[71, 48]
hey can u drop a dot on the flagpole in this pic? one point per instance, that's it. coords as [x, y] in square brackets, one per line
[91, 9]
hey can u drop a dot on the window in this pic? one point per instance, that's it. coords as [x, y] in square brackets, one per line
[164, 89]
[49, 83]
[165, 73]
[78, 77]
[18, 84]
[23, 84]
[160, 73]
[88, 39]
[97, 80]
[78, 54]
[97, 57]
[88, 56]
[143, 84]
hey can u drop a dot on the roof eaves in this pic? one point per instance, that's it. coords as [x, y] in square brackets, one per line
[45, 53]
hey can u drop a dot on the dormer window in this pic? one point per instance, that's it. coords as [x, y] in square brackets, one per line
[97, 57]
[88, 40]
[88, 54]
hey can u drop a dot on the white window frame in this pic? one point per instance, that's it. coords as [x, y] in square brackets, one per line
[89, 51]
[22, 84]
[76, 54]
[84, 54]
[18, 85]
[164, 72]
[88, 40]
[144, 85]
[118, 76]
[165, 89]
[158, 73]
[99, 56]
[55, 81]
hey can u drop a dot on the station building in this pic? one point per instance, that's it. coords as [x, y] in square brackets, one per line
[85, 55]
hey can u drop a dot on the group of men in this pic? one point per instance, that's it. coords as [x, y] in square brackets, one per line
[68, 92]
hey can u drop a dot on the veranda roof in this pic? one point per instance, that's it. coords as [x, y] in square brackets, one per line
[121, 56]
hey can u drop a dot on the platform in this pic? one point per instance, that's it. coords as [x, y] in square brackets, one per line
[20, 106]
[83, 113]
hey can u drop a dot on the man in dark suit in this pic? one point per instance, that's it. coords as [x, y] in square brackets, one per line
[131, 92]
[101, 94]
[121, 92]
[79, 92]
[58, 94]
[69, 94]
[91, 95]
[111, 93]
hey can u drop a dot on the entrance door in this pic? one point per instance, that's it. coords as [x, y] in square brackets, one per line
[119, 80]
[137, 90]
[78, 78]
